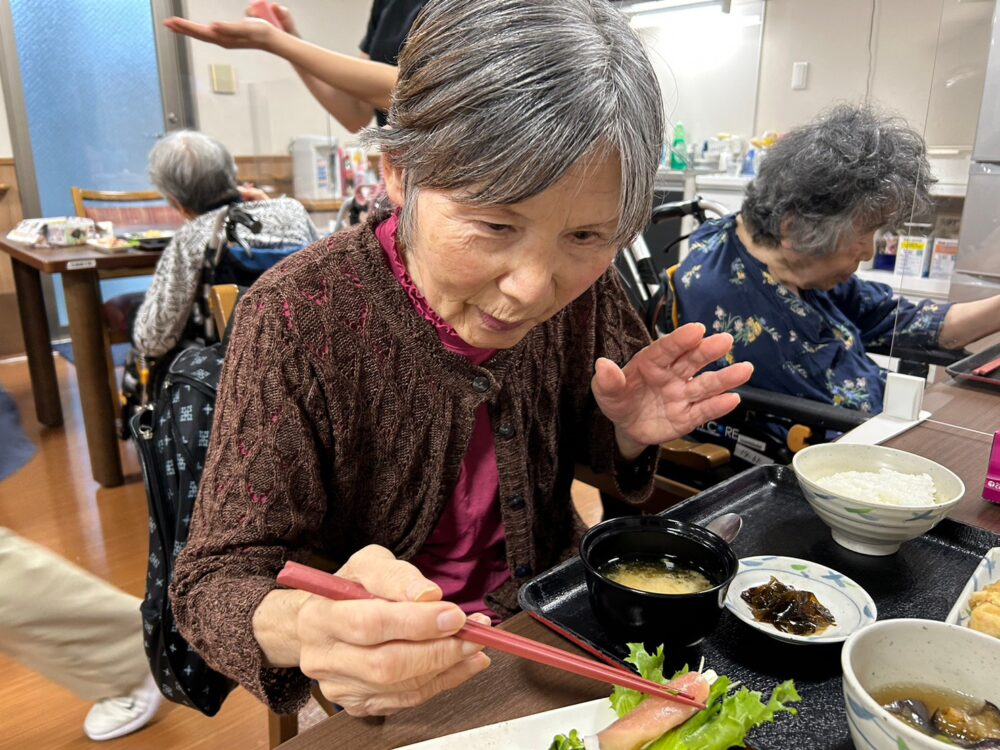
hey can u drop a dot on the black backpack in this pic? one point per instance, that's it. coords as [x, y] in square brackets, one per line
[172, 439]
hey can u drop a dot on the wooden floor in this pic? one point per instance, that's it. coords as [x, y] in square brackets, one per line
[54, 501]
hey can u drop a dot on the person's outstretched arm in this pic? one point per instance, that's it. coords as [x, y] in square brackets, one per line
[349, 88]
[350, 111]
[970, 321]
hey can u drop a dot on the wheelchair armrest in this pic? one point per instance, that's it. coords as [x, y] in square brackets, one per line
[693, 455]
[940, 357]
[808, 412]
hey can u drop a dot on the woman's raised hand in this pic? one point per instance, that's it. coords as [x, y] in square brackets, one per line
[656, 396]
[375, 657]
[284, 17]
[248, 33]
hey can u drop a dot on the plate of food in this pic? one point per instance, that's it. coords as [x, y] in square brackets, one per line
[798, 601]
[111, 244]
[630, 720]
[151, 239]
[978, 606]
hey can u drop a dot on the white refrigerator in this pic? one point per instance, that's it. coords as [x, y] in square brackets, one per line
[977, 270]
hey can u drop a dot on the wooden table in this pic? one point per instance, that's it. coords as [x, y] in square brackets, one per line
[80, 267]
[509, 689]
[968, 410]
[512, 688]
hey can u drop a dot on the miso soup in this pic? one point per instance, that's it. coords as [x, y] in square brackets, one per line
[660, 575]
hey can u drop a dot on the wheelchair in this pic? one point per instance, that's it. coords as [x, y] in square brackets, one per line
[228, 259]
[766, 427]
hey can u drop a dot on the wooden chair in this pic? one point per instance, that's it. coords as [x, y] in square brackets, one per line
[155, 211]
[222, 301]
[144, 209]
[113, 206]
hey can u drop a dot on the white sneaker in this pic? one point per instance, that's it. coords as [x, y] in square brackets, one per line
[115, 717]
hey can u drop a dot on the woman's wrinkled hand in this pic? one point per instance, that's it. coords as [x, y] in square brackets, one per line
[248, 33]
[375, 657]
[249, 193]
[656, 396]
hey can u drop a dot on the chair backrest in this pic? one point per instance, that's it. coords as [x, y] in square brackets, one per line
[148, 209]
[222, 302]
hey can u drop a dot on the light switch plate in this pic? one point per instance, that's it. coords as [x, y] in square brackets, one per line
[800, 75]
[223, 79]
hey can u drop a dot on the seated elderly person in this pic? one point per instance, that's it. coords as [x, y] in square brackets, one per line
[408, 398]
[779, 275]
[197, 175]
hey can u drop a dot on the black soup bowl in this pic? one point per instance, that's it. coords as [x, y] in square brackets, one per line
[676, 620]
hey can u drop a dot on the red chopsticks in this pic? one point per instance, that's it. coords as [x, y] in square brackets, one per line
[988, 367]
[314, 581]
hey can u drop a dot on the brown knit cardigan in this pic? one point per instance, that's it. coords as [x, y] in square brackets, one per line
[342, 421]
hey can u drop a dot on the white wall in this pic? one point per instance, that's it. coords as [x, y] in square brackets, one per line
[271, 104]
[928, 61]
[706, 62]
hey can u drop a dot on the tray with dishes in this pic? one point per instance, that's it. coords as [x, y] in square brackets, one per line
[982, 367]
[910, 564]
[150, 239]
[110, 244]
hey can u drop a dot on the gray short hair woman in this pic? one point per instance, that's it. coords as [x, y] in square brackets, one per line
[194, 171]
[779, 275]
[408, 399]
[197, 175]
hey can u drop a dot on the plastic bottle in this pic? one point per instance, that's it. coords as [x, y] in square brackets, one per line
[678, 152]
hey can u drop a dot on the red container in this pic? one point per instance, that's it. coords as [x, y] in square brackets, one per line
[991, 490]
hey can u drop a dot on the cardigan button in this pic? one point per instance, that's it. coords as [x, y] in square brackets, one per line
[506, 431]
[522, 571]
[515, 502]
[481, 384]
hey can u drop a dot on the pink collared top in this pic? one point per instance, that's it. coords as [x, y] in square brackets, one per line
[465, 554]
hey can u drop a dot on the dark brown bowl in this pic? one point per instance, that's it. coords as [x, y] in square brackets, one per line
[675, 620]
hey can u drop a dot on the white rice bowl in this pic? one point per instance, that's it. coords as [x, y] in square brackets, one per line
[885, 487]
[853, 512]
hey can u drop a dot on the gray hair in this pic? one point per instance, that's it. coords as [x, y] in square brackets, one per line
[195, 170]
[851, 170]
[496, 100]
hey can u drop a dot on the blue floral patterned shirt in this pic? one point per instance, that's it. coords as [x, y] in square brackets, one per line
[810, 344]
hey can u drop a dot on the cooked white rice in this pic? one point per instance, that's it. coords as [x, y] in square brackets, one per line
[885, 486]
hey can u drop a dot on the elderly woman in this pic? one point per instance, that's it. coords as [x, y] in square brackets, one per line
[407, 400]
[779, 275]
[197, 175]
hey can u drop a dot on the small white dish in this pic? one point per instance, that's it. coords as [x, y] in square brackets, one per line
[528, 732]
[851, 606]
[986, 573]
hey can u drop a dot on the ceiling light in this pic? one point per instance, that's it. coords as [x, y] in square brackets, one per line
[657, 6]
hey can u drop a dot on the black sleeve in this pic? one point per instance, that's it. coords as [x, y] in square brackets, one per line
[378, 8]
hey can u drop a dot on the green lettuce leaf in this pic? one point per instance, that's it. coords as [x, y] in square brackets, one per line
[571, 742]
[649, 666]
[728, 718]
[724, 723]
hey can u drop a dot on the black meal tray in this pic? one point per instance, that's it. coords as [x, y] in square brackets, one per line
[964, 367]
[922, 580]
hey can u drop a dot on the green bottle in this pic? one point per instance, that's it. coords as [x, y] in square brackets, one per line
[678, 152]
